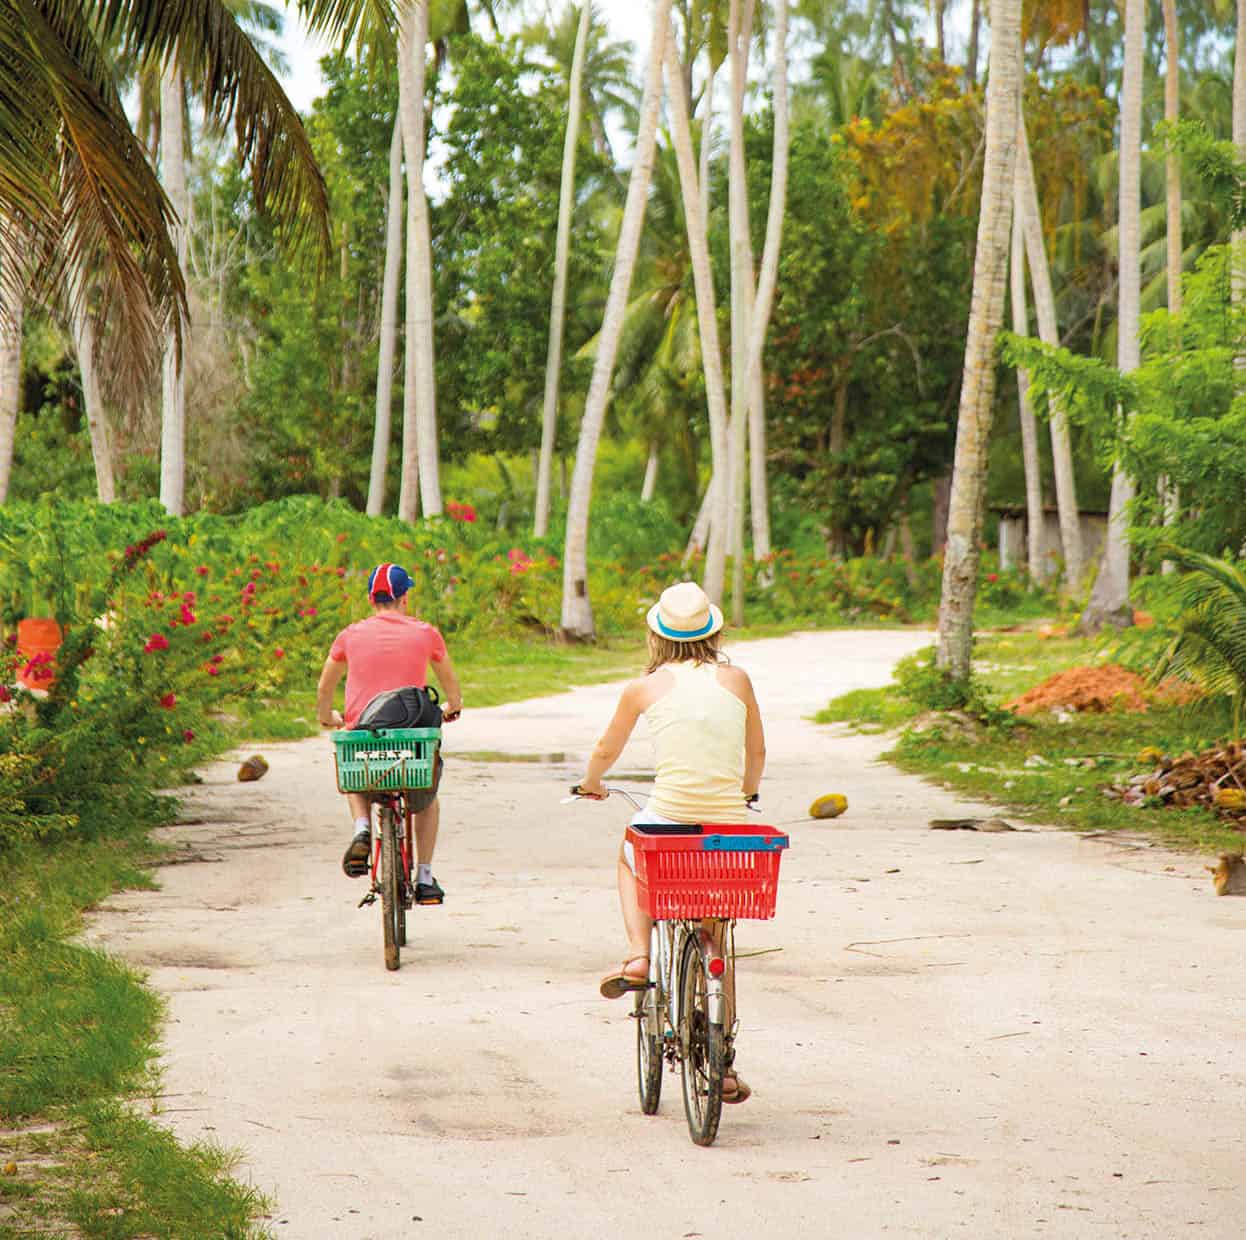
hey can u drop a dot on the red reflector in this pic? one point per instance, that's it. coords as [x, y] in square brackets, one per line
[718, 966]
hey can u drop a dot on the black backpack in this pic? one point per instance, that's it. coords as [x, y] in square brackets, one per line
[409, 707]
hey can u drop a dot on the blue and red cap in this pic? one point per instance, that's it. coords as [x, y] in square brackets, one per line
[388, 582]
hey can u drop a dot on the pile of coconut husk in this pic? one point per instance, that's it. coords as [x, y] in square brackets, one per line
[1215, 779]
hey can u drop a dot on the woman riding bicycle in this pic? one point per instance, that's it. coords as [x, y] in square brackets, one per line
[710, 752]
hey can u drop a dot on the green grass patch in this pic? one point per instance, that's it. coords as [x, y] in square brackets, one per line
[78, 1030]
[1042, 769]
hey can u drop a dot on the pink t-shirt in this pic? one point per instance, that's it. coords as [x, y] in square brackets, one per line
[386, 651]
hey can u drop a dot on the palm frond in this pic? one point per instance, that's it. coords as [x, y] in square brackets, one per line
[1210, 645]
[76, 191]
[224, 68]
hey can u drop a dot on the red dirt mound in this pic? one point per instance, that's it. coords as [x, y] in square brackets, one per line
[1094, 690]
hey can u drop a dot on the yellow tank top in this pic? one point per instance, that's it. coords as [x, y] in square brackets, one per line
[698, 733]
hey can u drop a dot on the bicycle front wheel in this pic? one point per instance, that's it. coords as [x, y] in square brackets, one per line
[648, 1049]
[701, 1045]
[391, 900]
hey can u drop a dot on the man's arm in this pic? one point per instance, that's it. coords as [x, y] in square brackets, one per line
[448, 679]
[330, 674]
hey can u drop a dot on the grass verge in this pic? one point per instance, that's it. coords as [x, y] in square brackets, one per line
[78, 1032]
[1042, 769]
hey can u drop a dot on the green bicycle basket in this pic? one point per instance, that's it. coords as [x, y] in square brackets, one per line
[391, 760]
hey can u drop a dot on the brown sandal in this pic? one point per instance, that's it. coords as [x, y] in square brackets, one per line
[616, 985]
[739, 1091]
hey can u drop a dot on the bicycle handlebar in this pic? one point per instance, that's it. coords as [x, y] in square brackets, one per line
[578, 793]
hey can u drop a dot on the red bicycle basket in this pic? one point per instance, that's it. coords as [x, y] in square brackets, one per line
[715, 870]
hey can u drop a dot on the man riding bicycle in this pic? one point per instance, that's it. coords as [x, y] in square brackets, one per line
[388, 650]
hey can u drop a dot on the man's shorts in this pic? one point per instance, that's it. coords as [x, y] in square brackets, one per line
[421, 798]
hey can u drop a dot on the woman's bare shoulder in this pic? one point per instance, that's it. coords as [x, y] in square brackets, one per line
[735, 678]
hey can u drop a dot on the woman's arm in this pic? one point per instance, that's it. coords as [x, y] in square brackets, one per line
[754, 743]
[330, 674]
[606, 751]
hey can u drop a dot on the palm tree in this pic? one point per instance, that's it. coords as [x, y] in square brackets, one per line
[173, 378]
[1172, 168]
[389, 324]
[1049, 333]
[419, 435]
[960, 565]
[577, 611]
[76, 189]
[558, 299]
[10, 375]
[1029, 427]
[694, 190]
[1109, 599]
[82, 328]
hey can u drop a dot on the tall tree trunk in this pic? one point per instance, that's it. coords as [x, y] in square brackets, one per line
[759, 318]
[707, 129]
[739, 31]
[10, 380]
[977, 400]
[1169, 500]
[700, 527]
[940, 8]
[173, 376]
[558, 300]
[971, 55]
[419, 430]
[83, 328]
[577, 609]
[1237, 278]
[1109, 599]
[693, 193]
[389, 325]
[650, 483]
[1029, 429]
[1049, 333]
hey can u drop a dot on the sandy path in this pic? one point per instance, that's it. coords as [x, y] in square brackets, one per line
[1013, 1036]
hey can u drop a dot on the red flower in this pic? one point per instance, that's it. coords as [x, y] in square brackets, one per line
[271, 565]
[217, 658]
[169, 701]
[308, 611]
[248, 589]
[256, 574]
[225, 621]
[188, 616]
[5, 694]
[341, 572]
[992, 577]
[202, 570]
[279, 653]
[212, 669]
[157, 641]
[188, 735]
[341, 538]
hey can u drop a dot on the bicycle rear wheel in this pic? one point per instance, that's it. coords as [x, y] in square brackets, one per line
[702, 1047]
[391, 901]
[648, 1049]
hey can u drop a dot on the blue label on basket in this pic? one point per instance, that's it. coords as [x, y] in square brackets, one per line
[745, 843]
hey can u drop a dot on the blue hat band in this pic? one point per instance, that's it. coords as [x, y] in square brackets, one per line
[685, 634]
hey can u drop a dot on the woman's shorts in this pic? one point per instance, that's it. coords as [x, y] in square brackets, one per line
[643, 818]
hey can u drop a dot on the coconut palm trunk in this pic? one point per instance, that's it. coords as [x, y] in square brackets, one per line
[739, 33]
[173, 377]
[83, 329]
[420, 465]
[1169, 500]
[649, 484]
[759, 318]
[977, 400]
[1049, 333]
[10, 380]
[389, 325]
[1029, 428]
[693, 192]
[1109, 599]
[1237, 282]
[558, 299]
[577, 610]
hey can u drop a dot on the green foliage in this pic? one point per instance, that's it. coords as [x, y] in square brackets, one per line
[1209, 647]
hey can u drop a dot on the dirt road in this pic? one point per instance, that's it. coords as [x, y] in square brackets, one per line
[981, 1035]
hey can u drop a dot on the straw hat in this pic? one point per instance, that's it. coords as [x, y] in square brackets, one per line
[684, 613]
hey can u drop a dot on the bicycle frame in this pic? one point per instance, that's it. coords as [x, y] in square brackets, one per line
[398, 803]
